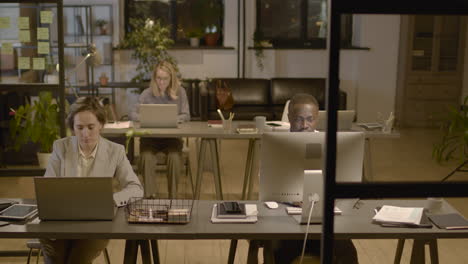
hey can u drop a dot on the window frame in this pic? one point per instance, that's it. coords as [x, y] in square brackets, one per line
[303, 42]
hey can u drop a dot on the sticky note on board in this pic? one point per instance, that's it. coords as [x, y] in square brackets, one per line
[38, 64]
[24, 63]
[4, 22]
[23, 22]
[43, 47]
[46, 17]
[7, 48]
[24, 36]
[43, 33]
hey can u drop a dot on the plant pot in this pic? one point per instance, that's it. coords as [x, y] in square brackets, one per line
[43, 159]
[194, 42]
[211, 39]
[103, 30]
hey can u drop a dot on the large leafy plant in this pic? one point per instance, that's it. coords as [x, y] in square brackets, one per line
[149, 41]
[37, 123]
[454, 143]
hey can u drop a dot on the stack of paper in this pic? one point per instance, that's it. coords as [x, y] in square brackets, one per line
[399, 216]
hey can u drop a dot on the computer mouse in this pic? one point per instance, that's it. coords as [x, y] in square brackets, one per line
[271, 205]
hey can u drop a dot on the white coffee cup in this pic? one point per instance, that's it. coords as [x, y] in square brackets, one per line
[260, 122]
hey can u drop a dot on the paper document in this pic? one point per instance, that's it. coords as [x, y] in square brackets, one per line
[23, 22]
[250, 211]
[118, 125]
[399, 215]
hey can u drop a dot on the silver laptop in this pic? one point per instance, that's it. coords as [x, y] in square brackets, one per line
[158, 115]
[75, 198]
[345, 120]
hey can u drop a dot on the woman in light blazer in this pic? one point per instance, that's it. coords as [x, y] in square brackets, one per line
[87, 154]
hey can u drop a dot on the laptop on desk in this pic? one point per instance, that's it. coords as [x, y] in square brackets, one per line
[345, 120]
[158, 116]
[75, 198]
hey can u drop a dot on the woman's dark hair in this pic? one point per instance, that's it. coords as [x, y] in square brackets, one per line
[91, 104]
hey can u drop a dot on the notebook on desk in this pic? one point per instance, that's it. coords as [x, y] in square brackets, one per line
[74, 198]
[158, 116]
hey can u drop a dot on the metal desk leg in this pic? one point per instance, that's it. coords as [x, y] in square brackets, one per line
[368, 173]
[417, 254]
[399, 250]
[232, 251]
[131, 251]
[248, 168]
[433, 251]
[252, 255]
[201, 161]
[216, 168]
[155, 251]
[145, 251]
[252, 176]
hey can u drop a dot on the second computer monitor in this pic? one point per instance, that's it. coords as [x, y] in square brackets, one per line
[285, 156]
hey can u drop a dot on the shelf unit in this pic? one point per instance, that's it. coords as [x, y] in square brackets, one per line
[19, 75]
[433, 80]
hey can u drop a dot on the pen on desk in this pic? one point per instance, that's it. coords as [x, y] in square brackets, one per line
[220, 114]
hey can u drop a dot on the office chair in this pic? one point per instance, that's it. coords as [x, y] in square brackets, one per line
[161, 165]
[34, 244]
[284, 117]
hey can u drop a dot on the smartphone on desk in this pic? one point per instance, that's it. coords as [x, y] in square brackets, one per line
[231, 207]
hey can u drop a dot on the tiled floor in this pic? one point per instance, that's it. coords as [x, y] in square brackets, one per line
[403, 159]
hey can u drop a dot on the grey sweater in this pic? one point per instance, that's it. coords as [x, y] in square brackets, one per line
[147, 97]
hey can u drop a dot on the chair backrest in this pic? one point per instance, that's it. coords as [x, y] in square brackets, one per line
[284, 117]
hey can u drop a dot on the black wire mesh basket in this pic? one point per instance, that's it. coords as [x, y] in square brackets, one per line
[159, 211]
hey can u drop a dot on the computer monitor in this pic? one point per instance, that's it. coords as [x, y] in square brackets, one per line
[285, 156]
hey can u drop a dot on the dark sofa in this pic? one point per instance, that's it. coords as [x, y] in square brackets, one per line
[264, 97]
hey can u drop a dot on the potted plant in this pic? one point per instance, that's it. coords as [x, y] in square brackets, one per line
[454, 143]
[259, 44]
[149, 41]
[102, 25]
[194, 35]
[37, 122]
[208, 13]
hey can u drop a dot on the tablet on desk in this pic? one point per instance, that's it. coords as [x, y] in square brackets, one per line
[19, 211]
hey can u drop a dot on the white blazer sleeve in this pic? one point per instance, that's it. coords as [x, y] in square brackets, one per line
[129, 182]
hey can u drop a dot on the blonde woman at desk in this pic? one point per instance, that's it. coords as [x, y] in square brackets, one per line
[87, 154]
[164, 88]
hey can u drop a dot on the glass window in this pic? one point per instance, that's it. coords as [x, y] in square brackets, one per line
[189, 18]
[297, 23]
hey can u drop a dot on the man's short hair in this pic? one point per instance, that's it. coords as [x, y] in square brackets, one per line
[302, 98]
[83, 104]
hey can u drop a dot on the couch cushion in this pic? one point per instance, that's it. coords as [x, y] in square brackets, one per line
[283, 89]
[244, 91]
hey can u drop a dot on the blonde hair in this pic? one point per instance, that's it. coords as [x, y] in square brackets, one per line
[174, 85]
